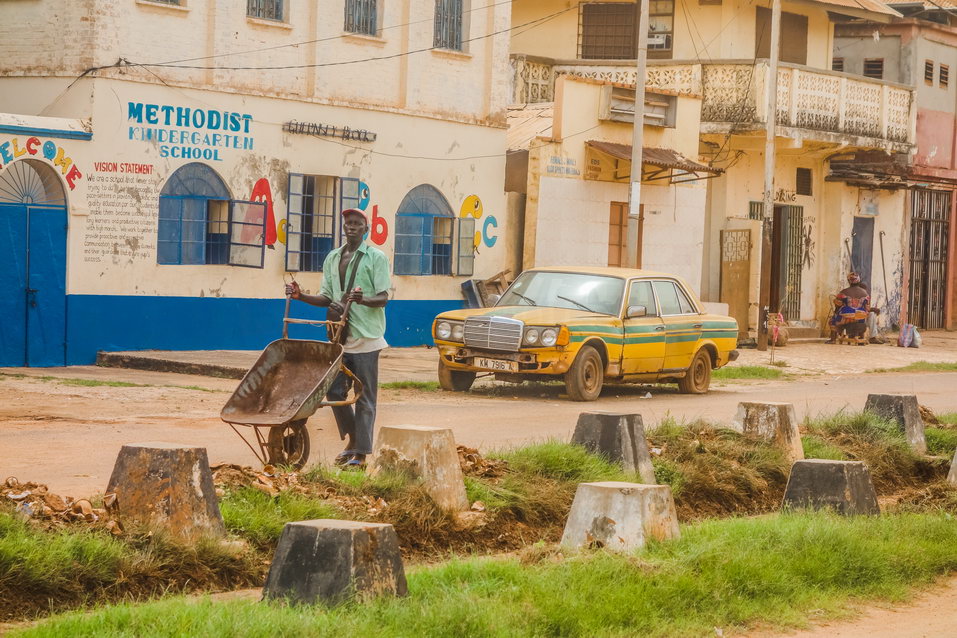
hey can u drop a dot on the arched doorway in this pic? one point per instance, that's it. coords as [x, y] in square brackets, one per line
[33, 226]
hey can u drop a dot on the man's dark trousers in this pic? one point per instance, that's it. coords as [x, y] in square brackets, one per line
[357, 420]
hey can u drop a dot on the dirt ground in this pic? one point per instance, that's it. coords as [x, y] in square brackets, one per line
[68, 435]
[932, 614]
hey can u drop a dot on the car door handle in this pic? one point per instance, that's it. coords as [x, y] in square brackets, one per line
[699, 325]
[659, 327]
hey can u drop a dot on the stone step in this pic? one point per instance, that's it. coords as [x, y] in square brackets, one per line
[162, 361]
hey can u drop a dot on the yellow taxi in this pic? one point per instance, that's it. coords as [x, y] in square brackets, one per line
[587, 325]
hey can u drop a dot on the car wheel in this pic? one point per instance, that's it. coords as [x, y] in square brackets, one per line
[454, 380]
[289, 444]
[698, 378]
[586, 375]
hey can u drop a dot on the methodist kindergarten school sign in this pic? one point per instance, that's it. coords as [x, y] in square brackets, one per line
[189, 133]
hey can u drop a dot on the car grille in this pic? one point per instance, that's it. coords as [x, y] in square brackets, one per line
[494, 333]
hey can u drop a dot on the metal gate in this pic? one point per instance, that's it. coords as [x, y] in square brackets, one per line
[792, 261]
[930, 214]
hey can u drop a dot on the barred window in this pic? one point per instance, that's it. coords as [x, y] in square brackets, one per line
[608, 31]
[266, 9]
[837, 64]
[929, 72]
[362, 17]
[874, 68]
[944, 76]
[448, 24]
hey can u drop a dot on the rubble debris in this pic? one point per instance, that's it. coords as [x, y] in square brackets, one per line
[36, 503]
[928, 415]
[474, 464]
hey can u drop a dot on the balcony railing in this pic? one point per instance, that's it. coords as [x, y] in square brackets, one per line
[732, 94]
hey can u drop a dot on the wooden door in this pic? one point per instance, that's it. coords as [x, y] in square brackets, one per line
[735, 275]
[618, 234]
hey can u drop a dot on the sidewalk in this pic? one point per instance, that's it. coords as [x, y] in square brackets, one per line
[396, 364]
[821, 358]
[419, 363]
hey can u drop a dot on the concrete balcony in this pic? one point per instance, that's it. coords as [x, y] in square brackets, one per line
[813, 104]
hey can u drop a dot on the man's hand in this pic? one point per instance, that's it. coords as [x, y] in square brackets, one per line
[355, 296]
[293, 290]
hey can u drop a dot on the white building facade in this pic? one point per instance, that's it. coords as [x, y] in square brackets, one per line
[168, 165]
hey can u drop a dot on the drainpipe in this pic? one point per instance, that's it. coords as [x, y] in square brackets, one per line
[637, 139]
[767, 226]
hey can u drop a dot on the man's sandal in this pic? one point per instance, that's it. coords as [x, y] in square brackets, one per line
[343, 457]
[356, 462]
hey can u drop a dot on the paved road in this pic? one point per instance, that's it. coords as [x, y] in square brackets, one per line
[68, 436]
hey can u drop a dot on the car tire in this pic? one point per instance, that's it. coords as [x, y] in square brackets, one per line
[586, 375]
[454, 380]
[698, 378]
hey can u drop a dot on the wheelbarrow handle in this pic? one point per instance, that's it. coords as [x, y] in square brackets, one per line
[357, 389]
[285, 318]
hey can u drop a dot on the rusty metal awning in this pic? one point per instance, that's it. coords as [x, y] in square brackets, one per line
[670, 164]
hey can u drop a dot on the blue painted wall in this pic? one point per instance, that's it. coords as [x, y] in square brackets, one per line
[114, 322]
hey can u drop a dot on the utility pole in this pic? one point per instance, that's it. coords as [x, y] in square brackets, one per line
[637, 138]
[767, 225]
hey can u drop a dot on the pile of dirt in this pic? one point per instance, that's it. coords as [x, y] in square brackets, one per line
[270, 480]
[36, 503]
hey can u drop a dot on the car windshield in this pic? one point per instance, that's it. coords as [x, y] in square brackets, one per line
[576, 291]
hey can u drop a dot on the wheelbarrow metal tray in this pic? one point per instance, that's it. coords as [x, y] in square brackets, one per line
[288, 382]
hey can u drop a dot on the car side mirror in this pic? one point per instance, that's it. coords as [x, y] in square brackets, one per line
[493, 299]
[635, 312]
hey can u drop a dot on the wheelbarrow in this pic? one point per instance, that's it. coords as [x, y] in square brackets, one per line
[286, 385]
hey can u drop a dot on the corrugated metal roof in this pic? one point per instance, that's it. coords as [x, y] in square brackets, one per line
[660, 157]
[936, 4]
[860, 5]
[527, 122]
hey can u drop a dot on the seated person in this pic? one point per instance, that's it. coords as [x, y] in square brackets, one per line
[851, 307]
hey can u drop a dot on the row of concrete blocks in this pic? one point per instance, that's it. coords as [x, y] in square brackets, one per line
[171, 486]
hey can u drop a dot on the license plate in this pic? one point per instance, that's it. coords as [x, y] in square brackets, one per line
[496, 364]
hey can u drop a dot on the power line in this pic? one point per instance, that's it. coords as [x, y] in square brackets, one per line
[535, 22]
[318, 40]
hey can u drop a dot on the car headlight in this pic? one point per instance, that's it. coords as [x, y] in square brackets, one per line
[458, 332]
[549, 336]
[443, 330]
[531, 336]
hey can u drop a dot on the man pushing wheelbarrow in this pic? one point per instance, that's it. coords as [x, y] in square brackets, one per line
[356, 283]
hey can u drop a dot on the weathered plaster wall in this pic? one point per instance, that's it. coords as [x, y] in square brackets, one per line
[469, 86]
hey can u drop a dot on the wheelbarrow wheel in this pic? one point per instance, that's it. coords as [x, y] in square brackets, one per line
[289, 444]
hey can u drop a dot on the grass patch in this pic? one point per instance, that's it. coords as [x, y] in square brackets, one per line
[42, 571]
[732, 574]
[562, 462]
[425, 386]
[94, 383]
[746, 372]
[947, 418]
[715, 471]
[259, 517]
[817, 448]
[941, 441]
[921, 366]
[863, 436]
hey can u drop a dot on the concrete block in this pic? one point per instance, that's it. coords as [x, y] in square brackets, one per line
[166, 485]
[903, 409]
[330, 561]
[844, 486]
[620, 516]
[426, 453]
[773, 422]
[618, 437]
[952, 475]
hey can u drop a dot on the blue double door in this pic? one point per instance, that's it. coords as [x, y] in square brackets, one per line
[32, 285]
